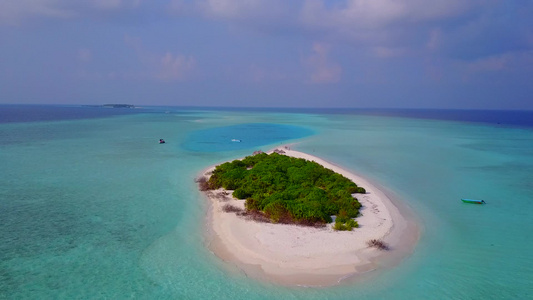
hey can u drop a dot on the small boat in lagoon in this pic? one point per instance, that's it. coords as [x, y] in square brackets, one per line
[236, 140]
[473, 201]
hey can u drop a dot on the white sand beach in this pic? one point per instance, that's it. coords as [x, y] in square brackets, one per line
[296, 255]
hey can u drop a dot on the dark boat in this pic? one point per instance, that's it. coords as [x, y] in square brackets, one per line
[161, 141]
[473, 201]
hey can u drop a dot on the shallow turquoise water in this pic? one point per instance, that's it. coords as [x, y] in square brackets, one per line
[98, 209]
[241, 136]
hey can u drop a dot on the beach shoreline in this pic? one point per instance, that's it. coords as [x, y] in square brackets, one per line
[293, 255]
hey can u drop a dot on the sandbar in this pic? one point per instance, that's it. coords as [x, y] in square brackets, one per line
[293, 255]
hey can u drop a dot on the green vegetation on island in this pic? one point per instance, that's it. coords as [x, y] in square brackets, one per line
[289, 190]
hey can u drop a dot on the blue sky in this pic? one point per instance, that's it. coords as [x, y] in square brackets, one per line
[472, 54]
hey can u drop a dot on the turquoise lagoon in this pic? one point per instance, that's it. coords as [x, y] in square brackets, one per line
[95, 208]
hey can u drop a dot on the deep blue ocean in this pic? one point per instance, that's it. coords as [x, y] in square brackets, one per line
[93, 207]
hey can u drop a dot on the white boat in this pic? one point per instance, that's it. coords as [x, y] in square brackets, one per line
[236, 140]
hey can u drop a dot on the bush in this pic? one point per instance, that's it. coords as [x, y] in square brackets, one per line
[345, 226]
[240, 194]
[276, 212]
[203, 185]
[351, 224]
[231, 208]
[379, 244]
[342, 217]
[251, 204]
[339, 226]
[288, 189]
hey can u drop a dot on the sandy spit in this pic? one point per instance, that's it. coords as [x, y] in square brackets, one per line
[304, 256]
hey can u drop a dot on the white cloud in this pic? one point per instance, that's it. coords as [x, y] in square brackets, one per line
[375, 14]
[272, 73]
[509, 61]
[251, 13]
[228, 8]
[387, 28]
[327, 13]
[360, 13]
[493, 63]
[115, 4]
[133, 42]
[15, 12]
[323, 69]
[167, 67]
[175, 66]
[434, 41]
[388, 52]
[107, 4]
[85, 55]
[507, 65]
[241, 9]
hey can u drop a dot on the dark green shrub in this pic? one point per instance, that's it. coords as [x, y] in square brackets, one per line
[276, 211]
[240, 193]
[252, 204]
[342, 217]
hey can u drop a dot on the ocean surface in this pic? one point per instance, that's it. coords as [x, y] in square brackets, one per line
[93, 207]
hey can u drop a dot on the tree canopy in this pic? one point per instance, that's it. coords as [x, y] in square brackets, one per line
[289, 190]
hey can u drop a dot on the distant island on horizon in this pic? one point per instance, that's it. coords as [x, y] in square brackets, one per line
[119, 105]
[112, 105]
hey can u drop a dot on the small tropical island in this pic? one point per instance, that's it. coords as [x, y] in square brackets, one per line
[291, 218]
[115, 105]
[111, 105]
[288, 190]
